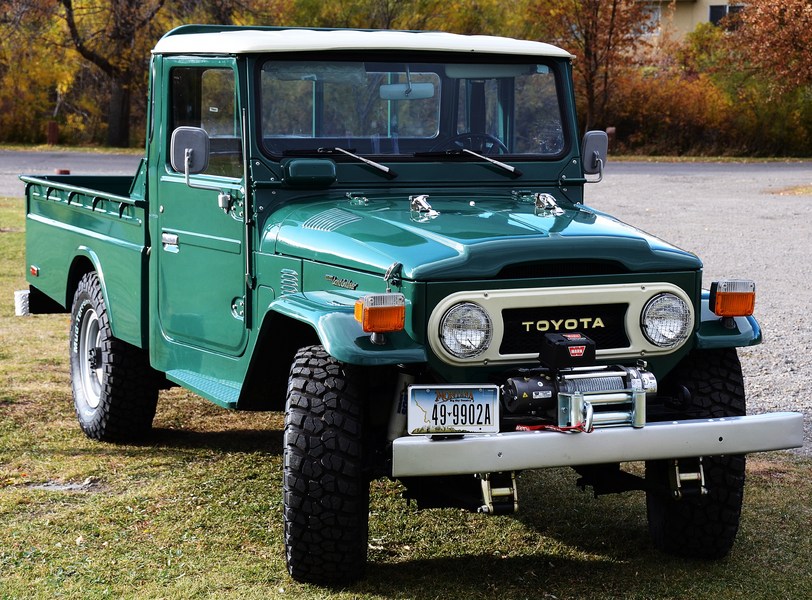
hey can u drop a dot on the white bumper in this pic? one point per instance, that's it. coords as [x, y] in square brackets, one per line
[420, 455]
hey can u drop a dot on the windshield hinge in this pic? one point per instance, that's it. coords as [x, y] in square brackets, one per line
[393, 276]
[420, 204]
[546, 205]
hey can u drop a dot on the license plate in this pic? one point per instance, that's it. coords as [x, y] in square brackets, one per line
[437, 410]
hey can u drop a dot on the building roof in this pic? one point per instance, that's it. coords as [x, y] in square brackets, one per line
[221, 40]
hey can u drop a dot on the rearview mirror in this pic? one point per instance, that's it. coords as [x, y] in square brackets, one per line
[407, 91]
[593, 153]
[189, 150]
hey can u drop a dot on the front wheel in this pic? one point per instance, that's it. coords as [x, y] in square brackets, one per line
[708, 384]
[115, 392]
[326, 487]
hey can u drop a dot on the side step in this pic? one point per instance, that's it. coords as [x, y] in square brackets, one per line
[222, 392]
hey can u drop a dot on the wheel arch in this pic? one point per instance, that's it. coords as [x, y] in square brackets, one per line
[280, 338]
[294, 321]
[87, 261]
[83, 263]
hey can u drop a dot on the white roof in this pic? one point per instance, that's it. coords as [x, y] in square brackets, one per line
[308, 40]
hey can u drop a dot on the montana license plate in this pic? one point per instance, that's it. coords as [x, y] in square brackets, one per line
[458, 409]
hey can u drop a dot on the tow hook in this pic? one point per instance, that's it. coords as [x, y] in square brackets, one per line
[688, 480]
[498, 493]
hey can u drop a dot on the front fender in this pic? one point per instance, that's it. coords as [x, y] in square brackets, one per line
[713, 333]
[341, 335]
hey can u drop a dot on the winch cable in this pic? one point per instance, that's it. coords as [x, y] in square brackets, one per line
[577, 428]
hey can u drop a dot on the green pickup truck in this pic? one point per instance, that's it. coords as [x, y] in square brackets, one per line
[384, 234]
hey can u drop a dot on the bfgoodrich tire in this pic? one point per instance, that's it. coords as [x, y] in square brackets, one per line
[326, 488]
[115, 391]
[709, 384]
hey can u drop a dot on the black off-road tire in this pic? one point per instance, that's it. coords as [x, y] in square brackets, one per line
[326, 487]
[115, 391]
[710, 384]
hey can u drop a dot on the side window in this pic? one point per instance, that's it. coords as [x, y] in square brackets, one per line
[205, 97]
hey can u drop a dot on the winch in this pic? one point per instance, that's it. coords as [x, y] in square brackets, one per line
[565, 393]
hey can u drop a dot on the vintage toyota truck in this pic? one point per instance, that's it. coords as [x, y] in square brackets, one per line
[384, 234]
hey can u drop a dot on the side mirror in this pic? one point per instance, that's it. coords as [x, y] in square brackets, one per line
[189, 154]
[189, 150]
[593, 153]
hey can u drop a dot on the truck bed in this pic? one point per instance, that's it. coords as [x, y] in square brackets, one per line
[78, 223]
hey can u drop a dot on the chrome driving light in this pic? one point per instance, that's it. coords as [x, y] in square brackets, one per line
[466, 330]
[667, 320]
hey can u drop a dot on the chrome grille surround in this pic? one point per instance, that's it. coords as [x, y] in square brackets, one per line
[635, 295]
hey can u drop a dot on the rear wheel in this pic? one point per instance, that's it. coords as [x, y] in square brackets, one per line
[115, 391]
[326, 487]
[707, 384]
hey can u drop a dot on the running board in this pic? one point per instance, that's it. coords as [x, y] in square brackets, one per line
[522, 450]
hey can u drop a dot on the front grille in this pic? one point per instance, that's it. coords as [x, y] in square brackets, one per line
[525, 328]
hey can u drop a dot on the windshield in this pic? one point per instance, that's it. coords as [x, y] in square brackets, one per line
[403, 109]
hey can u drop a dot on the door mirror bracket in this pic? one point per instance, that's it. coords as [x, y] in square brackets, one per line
[189, 153]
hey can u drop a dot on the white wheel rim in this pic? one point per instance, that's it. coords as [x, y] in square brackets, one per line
[90, 360]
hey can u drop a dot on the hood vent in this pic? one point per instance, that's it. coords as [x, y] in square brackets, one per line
[289, 282]
[330, 220]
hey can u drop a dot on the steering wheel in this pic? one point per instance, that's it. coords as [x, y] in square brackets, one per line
[483, 143]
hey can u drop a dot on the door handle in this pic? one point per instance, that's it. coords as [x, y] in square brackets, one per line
[170, 242]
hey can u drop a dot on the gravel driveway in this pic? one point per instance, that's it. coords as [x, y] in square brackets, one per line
[733, 215]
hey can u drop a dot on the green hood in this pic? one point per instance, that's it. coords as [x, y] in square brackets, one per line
[466, 240]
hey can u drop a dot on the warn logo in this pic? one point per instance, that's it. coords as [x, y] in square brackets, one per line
[576, 351]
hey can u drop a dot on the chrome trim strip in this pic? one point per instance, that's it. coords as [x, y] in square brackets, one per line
[415, 456]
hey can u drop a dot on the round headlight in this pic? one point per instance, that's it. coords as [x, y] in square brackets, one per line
[466, 330]
[667, 320]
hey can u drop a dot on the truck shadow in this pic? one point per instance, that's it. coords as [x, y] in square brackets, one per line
[231, 440]
[561, 539]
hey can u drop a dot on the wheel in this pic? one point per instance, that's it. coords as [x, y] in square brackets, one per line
[708, 384]
[483, 143]
[326, 487]
[115, 391]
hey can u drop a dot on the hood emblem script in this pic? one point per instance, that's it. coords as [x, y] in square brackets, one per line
[347, 284]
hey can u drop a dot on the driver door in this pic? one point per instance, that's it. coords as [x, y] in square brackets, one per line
[202, 248]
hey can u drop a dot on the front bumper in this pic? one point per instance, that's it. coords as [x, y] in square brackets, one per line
[517, 451]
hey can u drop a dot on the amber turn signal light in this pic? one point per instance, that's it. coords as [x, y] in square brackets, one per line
[380, 313]
[733, 297]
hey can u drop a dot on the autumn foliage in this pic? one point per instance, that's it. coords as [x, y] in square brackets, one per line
[743, 89]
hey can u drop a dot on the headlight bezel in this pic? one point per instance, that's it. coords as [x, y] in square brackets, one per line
[662, 335]
[456, 311]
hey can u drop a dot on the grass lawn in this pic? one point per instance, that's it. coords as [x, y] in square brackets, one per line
[196, 512]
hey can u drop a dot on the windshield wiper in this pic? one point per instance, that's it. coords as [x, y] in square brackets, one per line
[382, 168]
[504, 166]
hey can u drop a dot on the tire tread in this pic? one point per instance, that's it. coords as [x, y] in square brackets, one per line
[326, 490]
[702, 526]
[129, 394]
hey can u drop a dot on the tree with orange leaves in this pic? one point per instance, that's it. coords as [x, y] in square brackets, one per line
[602, 34]
[776, 38]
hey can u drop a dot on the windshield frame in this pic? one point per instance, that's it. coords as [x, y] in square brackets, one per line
[448, 105]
